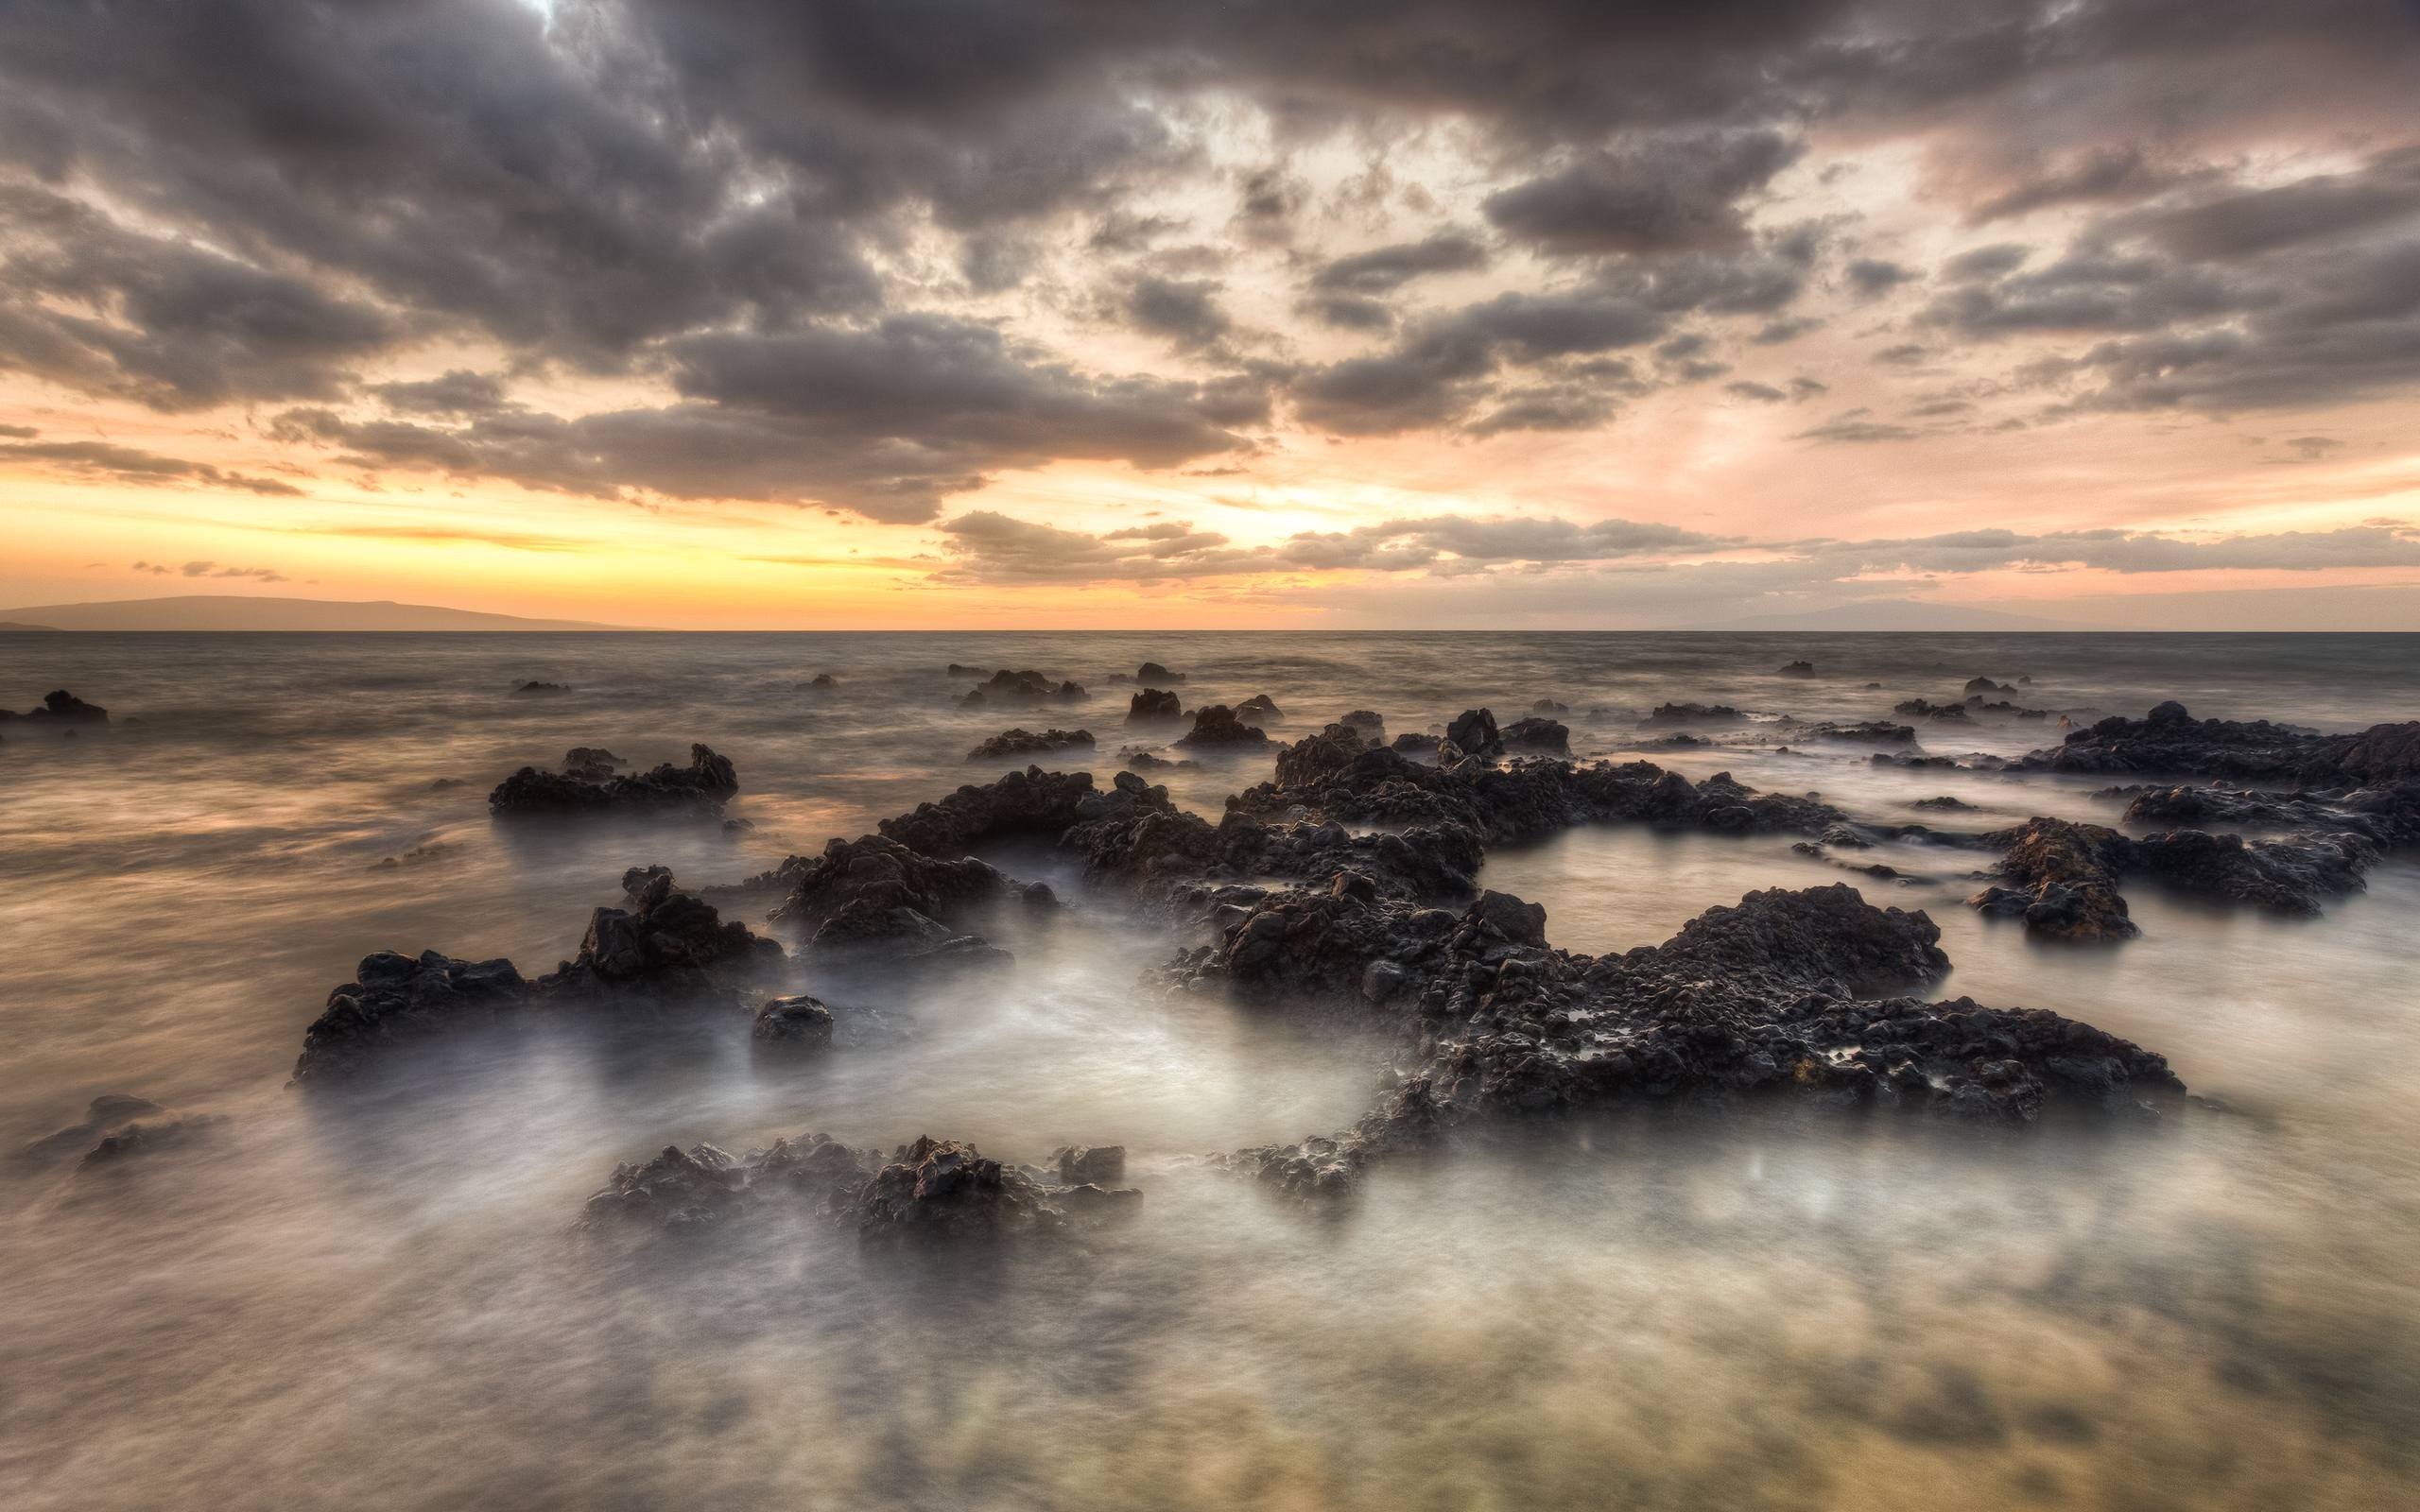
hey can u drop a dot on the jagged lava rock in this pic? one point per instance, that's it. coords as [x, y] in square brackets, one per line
[706, 784]
[1030, 743]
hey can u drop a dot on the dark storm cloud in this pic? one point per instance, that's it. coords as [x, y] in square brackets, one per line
[126, 464]
[1675, 193]
[1440, 371]
[1186, 312]
[886, 420]
[458, 391]
[253, 201]
[1385, 269]
[1871, 277]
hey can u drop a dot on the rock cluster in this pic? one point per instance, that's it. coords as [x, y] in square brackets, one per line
[61, 707]
[705, 784]
[1030, 743]
[2063, 876]
[929, 1192]
[1022, 689]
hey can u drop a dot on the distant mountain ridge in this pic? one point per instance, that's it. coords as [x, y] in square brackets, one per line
[236, 611]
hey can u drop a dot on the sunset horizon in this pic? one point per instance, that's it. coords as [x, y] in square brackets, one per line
[810, 323]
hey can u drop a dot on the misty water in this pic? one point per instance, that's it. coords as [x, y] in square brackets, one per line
[380, 1301]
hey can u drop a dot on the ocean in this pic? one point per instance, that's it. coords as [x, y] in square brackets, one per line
[384, 1304]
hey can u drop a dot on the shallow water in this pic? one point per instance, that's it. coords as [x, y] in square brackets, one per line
[380, 1305]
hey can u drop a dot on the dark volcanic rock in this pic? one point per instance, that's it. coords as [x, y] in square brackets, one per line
[706, 784]
[106, 1113]
[1258, 709]
[824, 681]
[878, 902]
[1367, 724]
[798, 1023]
[1688, 714]
[1798, 669]
[2064, 881]
[152, 1136]
[673, 946]
[1152, 675]
[1927, 709]
[1023, 689]
[957, 671]
[2384, 816]
[1946, 804]
[2066, 875]
[1549, 706]
[1983, 685]
[1314, 759]
[1537, 734]
[61, 707]
[540, 690]
[1152, 705]
[397, 1000]
[2171, 742]
[1758, 1001]
[1869, 733]
[1032, 802]
[698, 1188]
[1473, 733]
[1029, 743]
[944, 1192]
[591, 764]
[1220, 726]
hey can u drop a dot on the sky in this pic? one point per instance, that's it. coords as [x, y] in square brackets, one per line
[726, 314]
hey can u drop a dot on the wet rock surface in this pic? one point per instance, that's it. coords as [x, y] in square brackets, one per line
[1219, 725]
[1005, 689]
[927, 1193]
[1030, 743]
[2171, 742]
[705, 784]
[2064, 876]
[396, 1000]
[671, 947]
[1155, 706]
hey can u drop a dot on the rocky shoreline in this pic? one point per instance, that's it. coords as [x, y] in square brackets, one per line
[1348, 885]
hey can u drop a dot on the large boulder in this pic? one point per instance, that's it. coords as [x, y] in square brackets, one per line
[1473, 733]
[1221, 726]
[1153, 706]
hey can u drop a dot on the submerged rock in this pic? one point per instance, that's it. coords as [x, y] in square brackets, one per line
[706, 784]
[1030, 743]
[1152, 674]
[1026, 689]
[152, 1136]
[540, 690]
[945, 1191]
[1867, 732]
[103, 1113]
[799, 1021]
[1797, 669]
[1688, 714]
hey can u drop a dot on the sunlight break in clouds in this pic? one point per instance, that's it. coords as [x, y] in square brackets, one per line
[944, 313]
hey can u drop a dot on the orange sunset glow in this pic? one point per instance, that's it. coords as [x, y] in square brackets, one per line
[1183, 331]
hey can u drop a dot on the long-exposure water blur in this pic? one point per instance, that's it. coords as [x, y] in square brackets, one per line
[386, 1301]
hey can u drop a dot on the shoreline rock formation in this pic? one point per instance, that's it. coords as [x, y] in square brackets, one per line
[706, 784]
